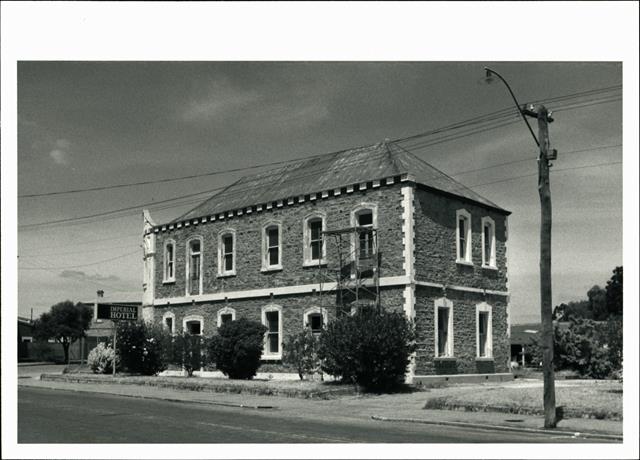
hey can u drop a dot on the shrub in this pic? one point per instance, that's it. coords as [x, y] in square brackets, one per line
[237, 348]
[369, 348]
[301, 352]
[101, 358]
[187, 352]
[142, 348]
[42, 351]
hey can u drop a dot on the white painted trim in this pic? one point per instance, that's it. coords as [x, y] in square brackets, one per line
[187, 265]
[443, 303]
[226, 311]
[306, 240]
[265, 246]
[165, 278]
[491, 263]
[190, 318]
[468, 259]
[221, 233]
[265, 310]
[360, 207]
[387, 281]
[313, 310]
[461, 288]
[408, 256]
[484, 307]
[169, 314]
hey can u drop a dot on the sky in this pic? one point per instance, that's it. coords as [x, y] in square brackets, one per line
[92, 124]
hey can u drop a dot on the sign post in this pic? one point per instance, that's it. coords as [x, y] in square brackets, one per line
[117, 313]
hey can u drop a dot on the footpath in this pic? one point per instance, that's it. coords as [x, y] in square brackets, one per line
[390, 408]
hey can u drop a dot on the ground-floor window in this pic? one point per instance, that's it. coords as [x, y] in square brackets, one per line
[483, 330]
[444, 328]
[226, 315]
[315, 319]
[272, 319]
[193, 325]
[169, 322]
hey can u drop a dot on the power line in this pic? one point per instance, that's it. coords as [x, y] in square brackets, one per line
[570, 152]
[245, 189]
[82, 265]
[475, 120]
[108, 248]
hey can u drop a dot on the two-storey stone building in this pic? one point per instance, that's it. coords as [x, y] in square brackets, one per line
[265, 248]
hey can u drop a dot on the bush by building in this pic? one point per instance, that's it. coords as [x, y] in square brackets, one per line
[187, 351]
[101, 359]
[237, 348]
[370, 348]
[301, 352]
[142, 348]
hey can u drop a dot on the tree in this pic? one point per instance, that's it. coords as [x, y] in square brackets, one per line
[598, 303]
[614, 293]
[237, 348]
[187, 352]
[301, 352]
[65, 323]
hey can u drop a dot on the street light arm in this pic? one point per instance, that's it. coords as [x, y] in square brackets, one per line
[520, 110]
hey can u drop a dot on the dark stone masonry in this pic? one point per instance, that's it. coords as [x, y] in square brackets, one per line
[460, 306]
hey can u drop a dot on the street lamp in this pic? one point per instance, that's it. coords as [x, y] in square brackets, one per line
[546, 154]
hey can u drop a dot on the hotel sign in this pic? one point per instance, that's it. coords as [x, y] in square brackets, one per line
[118, 312]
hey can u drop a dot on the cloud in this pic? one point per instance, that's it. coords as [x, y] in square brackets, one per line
[222, 98]
[60, 153]
[82, 276]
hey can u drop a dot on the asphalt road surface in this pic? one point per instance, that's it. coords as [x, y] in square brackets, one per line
[56, 416]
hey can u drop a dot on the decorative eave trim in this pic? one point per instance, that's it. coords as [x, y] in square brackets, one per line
[288, 201]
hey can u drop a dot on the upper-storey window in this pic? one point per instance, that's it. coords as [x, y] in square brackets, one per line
[271, 247]
[364, 218]
[169, 261]
[194, 266]
[314, 243]
[463, 236]
[488, 243]
[227, 253]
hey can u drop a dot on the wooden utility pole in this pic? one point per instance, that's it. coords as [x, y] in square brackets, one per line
[545, 268]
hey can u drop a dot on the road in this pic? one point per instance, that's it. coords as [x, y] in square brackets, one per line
[55, 416]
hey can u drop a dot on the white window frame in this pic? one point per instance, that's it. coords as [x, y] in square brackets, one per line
[169, 314]
[221, 265]
[468, 259]
[27, 339]
[187, 268]
[226, 311]
[443, 303]
[306, 231]
[373, 207]
[265, 246]
[314, 311]
[165, 262]
[491, 263]
[266, 309]
[484, 308]
[193, 318]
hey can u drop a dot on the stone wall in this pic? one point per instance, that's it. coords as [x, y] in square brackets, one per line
[435, 243]
[464, 359]
[248, 229]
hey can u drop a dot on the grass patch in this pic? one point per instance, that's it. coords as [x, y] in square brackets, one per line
[288, 388]
[579, 398]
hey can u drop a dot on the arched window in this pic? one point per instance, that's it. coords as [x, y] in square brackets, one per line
[315, 318]
[227, 253]
[463, 237]
[314, 247]
[194, 266]
[272, 319]
[443, 320]
[169, 322]
[169, 275]
[484, 331]
[365, 219]
[226, 315]
[488, 243]
[272, 246]
[193, 324]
